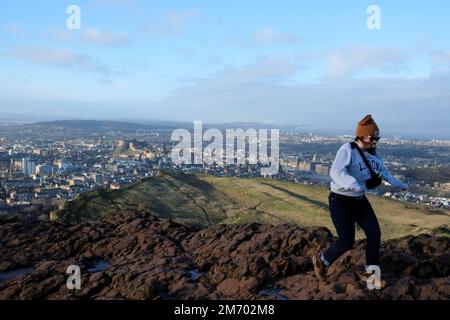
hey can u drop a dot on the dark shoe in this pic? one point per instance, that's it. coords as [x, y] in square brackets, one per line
[319, 268]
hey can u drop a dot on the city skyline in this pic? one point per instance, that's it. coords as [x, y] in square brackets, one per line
[287, 63]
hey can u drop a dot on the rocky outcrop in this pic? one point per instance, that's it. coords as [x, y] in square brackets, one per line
[140, 256]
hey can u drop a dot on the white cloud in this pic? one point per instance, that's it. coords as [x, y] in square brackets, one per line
[113, 2]
[269, 36]
[64, 35]
[262, 92]
[57, 57]
[16, 31]
[90, 36]
[265, 69]
[173, 23]
[440, 60]
[353, 61]
[96, 37]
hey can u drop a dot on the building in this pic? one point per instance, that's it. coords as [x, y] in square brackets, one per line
[444, 186]
[322, 169]
[28, 167]
[63, 164]
[290, 164]
[77, 181]
[45, 170]
[15, 165]
[4, 161]
[305, 166]
[98, 179]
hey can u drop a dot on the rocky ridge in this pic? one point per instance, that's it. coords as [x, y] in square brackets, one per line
[132, 255]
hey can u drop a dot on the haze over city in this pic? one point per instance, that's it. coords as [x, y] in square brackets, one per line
[286, 63]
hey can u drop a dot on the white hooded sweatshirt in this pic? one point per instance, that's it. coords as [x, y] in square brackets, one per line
[349, 172]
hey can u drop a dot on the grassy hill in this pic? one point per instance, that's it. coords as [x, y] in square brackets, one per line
[205, 200]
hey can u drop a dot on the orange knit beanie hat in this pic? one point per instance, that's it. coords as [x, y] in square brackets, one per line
[366, 127]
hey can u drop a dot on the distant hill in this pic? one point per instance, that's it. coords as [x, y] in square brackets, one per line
[86, 125]
[131, 125]
[204, 200]
[82, 128]
[429, 175]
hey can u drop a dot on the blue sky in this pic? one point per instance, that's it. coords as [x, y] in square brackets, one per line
[286, 62]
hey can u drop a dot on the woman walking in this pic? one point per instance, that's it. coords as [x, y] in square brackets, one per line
[356, 169]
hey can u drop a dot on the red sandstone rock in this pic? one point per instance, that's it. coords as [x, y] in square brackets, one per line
[129, 256]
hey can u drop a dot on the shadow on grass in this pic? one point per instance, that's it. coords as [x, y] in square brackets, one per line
[204, 187]
[298, 196]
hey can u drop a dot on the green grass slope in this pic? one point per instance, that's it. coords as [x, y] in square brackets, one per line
[205, 200]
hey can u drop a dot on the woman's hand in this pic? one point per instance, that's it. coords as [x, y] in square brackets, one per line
[404, 187]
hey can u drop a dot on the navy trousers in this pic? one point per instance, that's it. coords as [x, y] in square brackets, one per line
[345, 212]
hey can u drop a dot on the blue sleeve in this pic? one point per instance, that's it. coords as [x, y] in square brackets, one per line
[392, 180]
[339, 171]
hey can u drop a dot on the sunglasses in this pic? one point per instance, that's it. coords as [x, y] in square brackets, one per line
[372, 139]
